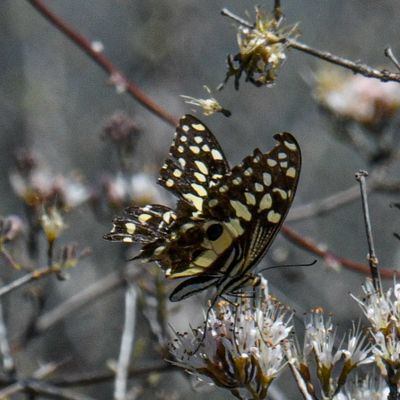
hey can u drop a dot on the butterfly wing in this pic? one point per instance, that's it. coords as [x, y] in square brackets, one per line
[249, 204]
[196, 161]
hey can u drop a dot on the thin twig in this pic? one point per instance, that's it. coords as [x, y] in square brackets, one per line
[357, 67]
[372, 258]
[25, 279]
[309, 245]
[389, 53]
[121, 376]
[93, 378]
[116, 76]
[8, 361]
[9, 258]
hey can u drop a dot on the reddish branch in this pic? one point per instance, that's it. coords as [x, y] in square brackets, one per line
[116, 76]
[310, 246]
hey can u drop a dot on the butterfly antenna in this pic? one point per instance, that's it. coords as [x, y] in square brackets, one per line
[289, 266]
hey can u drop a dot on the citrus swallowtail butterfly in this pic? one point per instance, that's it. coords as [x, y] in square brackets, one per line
[225, 219]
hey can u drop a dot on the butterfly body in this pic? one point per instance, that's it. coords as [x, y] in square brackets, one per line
[225, 219]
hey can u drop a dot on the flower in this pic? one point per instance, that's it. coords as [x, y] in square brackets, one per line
[37, 186]
[368, 102]
[261, 50]
[381, 309]
[209, 106]
[242, 348]
[320, 340]
[52, 224]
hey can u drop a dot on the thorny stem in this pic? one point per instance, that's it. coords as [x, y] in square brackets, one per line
[372, 258]
[116, 76]
[357, 67]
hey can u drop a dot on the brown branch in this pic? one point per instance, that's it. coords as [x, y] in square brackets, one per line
[309, 245]
[358, 68]
[116, 76]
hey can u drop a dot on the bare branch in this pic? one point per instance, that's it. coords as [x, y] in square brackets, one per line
[30, 277]
[372, 258]
[116, 76]
[8, 361]
[121, 377]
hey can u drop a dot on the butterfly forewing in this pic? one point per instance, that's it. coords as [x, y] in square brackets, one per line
[195, 161]
[225, 219]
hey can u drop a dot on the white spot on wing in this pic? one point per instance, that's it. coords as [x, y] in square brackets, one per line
[267, 179]
[216, 154]
[241, 210]
[199, 189]
[274, 217]
[202, 167]
[130, 228]
[199, 127]
[265, 203]
[291, 172]
[194, 149]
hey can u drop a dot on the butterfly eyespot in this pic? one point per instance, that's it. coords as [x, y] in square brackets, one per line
[214, 231]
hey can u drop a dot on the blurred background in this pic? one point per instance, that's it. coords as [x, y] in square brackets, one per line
[56, 102]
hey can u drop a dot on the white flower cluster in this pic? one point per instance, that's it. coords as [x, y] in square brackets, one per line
[242, 349]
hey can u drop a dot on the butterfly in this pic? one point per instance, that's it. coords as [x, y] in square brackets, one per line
[225, 218]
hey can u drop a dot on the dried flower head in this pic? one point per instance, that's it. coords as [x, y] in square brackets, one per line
[119, 191]
[52, 224]
[11, 227]
[242, 349]
[262, 50]
[350, 97]
[209, 106]
[37, 187]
